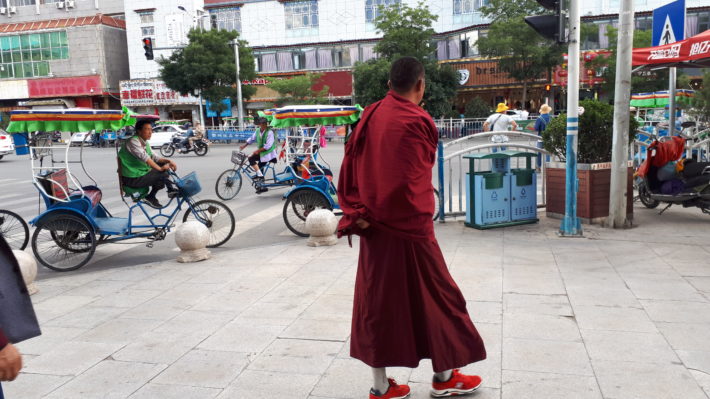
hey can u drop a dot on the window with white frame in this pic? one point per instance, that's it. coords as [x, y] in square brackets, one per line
[148, 30]
[228, 18]
[373, 8]
[462, 7]
[146, 17]
[301, 14]
[20, 3]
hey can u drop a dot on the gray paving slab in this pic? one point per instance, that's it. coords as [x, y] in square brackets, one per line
[618, 314]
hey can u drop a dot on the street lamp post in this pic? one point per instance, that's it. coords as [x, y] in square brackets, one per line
[240, 111]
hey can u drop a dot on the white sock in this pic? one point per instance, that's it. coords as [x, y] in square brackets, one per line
[381, 384]
[443, 376]
[258, 173]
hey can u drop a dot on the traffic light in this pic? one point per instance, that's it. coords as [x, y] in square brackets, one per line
[550, 26]
[547, 87]
[148, 47]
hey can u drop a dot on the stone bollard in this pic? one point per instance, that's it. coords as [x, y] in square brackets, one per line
[321, 225]
[28, 267]
[192, 238]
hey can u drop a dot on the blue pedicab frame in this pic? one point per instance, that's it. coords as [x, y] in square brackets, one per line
[75, 221]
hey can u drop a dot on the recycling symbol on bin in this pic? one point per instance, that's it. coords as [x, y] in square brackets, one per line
[522, 193]
[494, 196]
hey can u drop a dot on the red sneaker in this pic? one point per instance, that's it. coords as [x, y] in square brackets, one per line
[458, 384]
[393, 392]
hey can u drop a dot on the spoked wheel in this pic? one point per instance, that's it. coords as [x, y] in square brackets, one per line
[228, 184]
[14, 229]
[201, 149]
[218, 218]
[437, 204]
[64, 242]
[645, 198]
[299, 205]
[167, 150]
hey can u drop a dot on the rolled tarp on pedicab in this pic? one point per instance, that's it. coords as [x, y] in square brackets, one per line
[72, 120]
[310, 115]
[693, 52]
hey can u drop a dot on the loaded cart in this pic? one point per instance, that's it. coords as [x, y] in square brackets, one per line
[501, 196]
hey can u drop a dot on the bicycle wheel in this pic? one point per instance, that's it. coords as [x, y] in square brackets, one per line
[228, 184]
[14, 229]
[64, 242]
[437, 204]
[299, 205]
[218, 218]
[167, 150]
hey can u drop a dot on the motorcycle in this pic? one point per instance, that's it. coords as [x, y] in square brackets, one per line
[690, 191]
[179, 143]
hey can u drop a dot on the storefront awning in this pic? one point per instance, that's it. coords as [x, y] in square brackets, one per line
[693, 52]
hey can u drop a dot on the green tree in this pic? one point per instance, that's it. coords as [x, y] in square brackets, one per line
[642, 81]
[523, 54]
[299, 89]
[701, 101]
[477, 108]
[206, 65]
[406, 31]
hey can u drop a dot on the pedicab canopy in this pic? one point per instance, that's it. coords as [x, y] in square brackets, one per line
[660, 99]
[310, 115]
[72, 120]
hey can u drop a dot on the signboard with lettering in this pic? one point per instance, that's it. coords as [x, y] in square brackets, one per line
[484, 74]
[669, 23]
[150, 92]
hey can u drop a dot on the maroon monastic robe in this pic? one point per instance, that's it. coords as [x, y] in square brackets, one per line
[407, 307]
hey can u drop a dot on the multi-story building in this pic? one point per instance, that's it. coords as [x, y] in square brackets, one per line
[73, 50]
[329, 36]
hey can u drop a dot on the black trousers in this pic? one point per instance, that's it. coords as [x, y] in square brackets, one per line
[255, 159]
[154, 179]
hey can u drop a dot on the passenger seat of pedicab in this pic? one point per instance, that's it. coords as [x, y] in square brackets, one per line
[56, 184]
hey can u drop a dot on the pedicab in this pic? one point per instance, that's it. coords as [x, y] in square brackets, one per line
[292, 156]
[75, 221]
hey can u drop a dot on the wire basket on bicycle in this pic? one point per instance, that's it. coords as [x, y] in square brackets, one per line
[238, 157]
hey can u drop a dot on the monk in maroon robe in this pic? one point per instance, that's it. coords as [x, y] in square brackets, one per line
[406, 306]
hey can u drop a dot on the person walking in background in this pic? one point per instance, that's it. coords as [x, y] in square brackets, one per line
[407, 306]
[499, 121]
[540, 125]
[17, 318]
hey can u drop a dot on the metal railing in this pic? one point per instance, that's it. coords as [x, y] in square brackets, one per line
[452, 168]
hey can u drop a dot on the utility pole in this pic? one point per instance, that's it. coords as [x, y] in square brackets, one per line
[622, 96]
[240, 111]
[570, 226]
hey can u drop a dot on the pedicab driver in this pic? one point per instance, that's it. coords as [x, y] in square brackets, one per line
[266, 152]
[407, 307]
[141, 168]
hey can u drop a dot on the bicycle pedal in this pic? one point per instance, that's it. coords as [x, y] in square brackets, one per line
[149, 245]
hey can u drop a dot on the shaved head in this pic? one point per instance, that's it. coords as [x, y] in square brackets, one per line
[405, 73]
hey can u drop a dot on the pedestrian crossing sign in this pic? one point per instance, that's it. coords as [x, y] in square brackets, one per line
[669, 23]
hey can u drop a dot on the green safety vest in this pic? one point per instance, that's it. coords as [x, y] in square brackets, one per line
[132, 166]
[261, 140]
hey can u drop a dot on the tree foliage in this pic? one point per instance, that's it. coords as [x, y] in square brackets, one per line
[596, 127]
[206, 65]
[523, 54]
[299, 89]
[477, 108]
[406, 31]
[701, 101]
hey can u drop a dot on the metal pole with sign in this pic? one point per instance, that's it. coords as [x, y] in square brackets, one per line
[571, 226]
[240, 112]
[669, 27]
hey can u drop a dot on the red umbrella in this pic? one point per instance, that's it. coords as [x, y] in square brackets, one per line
[693, 52]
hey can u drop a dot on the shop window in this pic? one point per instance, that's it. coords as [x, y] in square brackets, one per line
[299, 60]
[20, 3]
[462, 7]
[703, 21]
[373, 8]
[26, 56]
[468, 44]
[341, 57]
[301, 14]
[229, 18]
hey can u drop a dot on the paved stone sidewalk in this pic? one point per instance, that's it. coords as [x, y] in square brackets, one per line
[617, 314]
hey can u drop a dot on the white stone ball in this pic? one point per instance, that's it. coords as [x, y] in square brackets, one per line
[321, 222]
[192, 235]
[28, 266]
